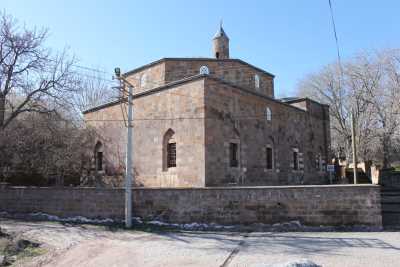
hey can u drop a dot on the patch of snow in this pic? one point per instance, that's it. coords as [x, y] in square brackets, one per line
[137, 220]
[76, 219]
[160, 223]
[288, 224]
[277, 227]
[296, 263]
[190, 226]
[157, 223]
[45, 216]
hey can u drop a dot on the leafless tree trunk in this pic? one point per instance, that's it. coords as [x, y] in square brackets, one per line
[2, 108]
[31, 79]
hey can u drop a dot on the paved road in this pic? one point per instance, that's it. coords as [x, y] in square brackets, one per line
[85, 245]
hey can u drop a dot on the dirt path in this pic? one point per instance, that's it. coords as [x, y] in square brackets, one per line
[85, 245]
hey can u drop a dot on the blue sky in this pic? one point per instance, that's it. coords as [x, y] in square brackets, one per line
[288, 38]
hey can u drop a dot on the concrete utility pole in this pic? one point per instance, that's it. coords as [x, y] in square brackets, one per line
[353, 144]
[129, 176]
[129, 149]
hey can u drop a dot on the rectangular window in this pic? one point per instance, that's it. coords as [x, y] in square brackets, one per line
[99, 161]
[269, 158]
[171, 155]
[295, 160]
[233, 155]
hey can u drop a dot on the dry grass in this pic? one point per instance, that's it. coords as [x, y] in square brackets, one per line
[20, 250]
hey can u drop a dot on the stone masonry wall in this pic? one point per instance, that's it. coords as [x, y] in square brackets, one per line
[227, 70]
[179, 109]
[311, 205]
[148, 78]
[170, 70]
[111, 132]
[234, 115]
[206, 114]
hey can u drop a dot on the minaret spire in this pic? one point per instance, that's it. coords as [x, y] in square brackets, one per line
[221, 43]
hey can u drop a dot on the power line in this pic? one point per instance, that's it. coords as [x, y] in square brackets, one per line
[89, 68]
[335, 34]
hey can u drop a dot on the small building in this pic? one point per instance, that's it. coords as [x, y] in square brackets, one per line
[212, 122]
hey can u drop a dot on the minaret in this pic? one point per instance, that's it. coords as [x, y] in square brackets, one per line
[221, 44]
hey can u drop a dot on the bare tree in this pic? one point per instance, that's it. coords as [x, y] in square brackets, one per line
[327, 86]
[93, 90]
[369, 84]
[381, 81]
[31, 79]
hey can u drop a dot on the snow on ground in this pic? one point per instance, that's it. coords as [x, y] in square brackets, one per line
[278, 227]
[297, 263]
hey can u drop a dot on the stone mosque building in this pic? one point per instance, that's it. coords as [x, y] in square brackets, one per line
[212, 122]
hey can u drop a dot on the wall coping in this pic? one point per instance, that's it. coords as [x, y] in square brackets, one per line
[203, 188]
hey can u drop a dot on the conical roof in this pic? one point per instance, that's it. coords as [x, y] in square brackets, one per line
[220, 33]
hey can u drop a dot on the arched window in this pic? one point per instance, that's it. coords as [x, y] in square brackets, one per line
[295, 159]
[257, 81]
[169, 150]
[98, 156]
[269, 156]
[204, 70]
[234, 154]
[268, 114]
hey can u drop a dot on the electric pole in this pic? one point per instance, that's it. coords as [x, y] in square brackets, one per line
[129, 149]
[128, 179]
[353, 144]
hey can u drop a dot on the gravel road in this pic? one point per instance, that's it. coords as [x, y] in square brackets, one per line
[88, 245]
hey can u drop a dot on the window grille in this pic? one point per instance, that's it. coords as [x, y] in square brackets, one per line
[269, 158]
[171, 155]
[233, 151]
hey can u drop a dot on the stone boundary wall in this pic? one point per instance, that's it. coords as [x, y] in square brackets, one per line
[328, 205]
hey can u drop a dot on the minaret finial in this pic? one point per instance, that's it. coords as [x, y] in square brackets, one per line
[220, 23]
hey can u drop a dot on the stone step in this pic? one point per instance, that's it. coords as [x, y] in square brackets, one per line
[390, 211]
[390, 207]
[389, 202]
[391, 221]
[389, 193]
[390, 199]
[390, 189]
